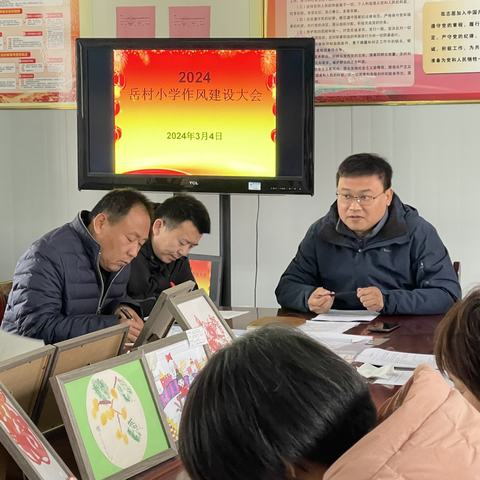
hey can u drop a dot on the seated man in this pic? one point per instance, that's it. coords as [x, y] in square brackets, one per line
[73, 280]
[276, 404]
[370, 251]
[179, 223]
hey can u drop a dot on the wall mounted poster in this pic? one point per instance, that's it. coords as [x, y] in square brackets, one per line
[37, 53]
[25, 443]
[112, 415]
[371, 51]
[174, 364]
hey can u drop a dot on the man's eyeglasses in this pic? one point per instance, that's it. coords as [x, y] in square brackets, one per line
[347, 199]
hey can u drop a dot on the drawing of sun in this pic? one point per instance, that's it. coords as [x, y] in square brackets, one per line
[116, 418]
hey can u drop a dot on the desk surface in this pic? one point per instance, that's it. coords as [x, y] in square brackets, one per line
[415, 335]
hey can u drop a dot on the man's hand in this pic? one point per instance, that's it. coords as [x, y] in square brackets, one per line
[371, 298]
[129, 316]
[320, 301]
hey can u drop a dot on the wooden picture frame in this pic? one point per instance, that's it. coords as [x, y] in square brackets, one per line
[196, 309]
[27, 446]
[112, 417]
[207, 270]
[72, 354]
[173, 363]
[161, 319]
[24, 375]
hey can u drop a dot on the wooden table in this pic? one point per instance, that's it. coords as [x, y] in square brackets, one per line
[415, 335]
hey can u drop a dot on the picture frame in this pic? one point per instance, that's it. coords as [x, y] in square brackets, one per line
[112, 417]
[173, 363]
[24, 375]
[161, 319]
[196, 309]
[72, 354]
[26, 445]
[207, 270]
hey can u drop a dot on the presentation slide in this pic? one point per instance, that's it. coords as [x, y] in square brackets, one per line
[195, 112]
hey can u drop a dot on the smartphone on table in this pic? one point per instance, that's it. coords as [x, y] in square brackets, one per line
[383, 327]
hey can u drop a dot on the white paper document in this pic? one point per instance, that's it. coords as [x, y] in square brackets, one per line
[347, 316]
[369, 371]
[327, 327]
[378, 356]
[12, 345]
[227, 314]
[397, 377]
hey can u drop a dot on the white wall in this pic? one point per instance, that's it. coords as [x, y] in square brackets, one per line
[434, 151]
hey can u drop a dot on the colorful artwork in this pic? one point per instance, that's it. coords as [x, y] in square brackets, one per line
[117, 419]
[28, 442]
[173, 368]
[198, 313]
[115, 411]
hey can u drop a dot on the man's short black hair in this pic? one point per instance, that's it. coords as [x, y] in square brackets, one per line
[272, 398]
[118, 202]
[181, 208]
[364, 164]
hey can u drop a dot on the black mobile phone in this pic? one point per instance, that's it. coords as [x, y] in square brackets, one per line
[383, 327]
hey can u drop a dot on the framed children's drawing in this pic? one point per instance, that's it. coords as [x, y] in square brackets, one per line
[72, 354]
[27, 446]
[161, 319]
[24, 375]
[196, 309]
[112, 418]
[173, 363]
[207, 270]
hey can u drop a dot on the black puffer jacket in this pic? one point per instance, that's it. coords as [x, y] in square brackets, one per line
[58, 290]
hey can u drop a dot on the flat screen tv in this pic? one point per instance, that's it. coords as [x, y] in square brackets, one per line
[201, 115]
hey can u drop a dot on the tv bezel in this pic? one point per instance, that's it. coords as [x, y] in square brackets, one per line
[88, 180]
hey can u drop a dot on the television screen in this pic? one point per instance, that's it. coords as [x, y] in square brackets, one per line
[201, 115]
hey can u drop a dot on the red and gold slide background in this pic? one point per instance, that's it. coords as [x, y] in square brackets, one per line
[240, 132]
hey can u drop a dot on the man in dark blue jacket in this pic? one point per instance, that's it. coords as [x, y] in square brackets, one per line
[73, 280]
[370, 251]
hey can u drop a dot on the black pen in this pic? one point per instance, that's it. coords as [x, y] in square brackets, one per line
[126, 313]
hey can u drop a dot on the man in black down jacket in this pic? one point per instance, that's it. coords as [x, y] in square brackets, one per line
[73, 280]
[180, 221]
[370, 251]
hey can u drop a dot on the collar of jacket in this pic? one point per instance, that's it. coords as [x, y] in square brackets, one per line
[149, 254]
[395, 228]
[80, 225]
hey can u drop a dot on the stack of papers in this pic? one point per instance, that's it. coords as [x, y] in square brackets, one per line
[311, 326]
[380, 357]
[347, 316]
[400, 364]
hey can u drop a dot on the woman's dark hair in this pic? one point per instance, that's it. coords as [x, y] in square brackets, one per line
[457, 342]
[366, 164]
[271, 399]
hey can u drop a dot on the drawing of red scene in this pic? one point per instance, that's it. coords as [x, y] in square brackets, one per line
[21, 433]
[174, 386]
[217, 336]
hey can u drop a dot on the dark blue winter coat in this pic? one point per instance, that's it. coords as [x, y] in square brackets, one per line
[406, 260]
[58, 290]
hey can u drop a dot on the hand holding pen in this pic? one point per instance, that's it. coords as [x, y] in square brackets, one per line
[129, 316]
[321, 300]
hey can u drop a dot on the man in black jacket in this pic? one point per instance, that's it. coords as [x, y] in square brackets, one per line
[370, 251]
[180, 221]
[73, 280]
